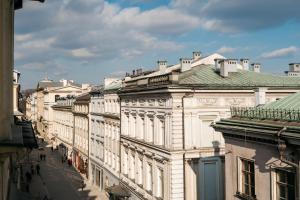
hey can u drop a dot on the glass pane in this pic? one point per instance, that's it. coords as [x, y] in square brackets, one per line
[281, 191]
[281, 176]
[252, 191]
[290, 178]
[245, 163]
[251, 166]
[252, 180]
[291, 193]
[246, 190]
[246, 179]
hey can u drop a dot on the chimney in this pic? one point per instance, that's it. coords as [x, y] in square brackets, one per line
[260, 96]
[196, 55]
[256, 67]
[185, 64]
[127, 76]
[294, 67]
[64, 81]
[217, 63]
[245, 63]
[228, 65]
[162, 65]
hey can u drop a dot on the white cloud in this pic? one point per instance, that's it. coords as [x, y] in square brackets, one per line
[240, 16]
[225, 49]
[82, 53]
[279, 53]
[22, 37]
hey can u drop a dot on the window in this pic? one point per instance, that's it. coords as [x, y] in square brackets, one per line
[140, 171]
[285, 185]
[149, 178]
[160, 183]
[248, 178]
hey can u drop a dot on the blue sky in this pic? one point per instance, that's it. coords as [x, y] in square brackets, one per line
[88, 40]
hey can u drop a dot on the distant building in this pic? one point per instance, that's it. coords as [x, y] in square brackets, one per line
[63, 125]
[80, 151]
[262, 151]
[105, 135]
[48, 92]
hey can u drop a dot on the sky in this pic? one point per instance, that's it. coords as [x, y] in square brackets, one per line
[88, 40]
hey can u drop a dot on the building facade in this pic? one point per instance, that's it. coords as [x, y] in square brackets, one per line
[105, 135]
[81, 133]
[262, 151]
[168, 148]
[63, 125]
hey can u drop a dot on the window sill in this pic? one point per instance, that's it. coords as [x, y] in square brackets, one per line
[244, 196]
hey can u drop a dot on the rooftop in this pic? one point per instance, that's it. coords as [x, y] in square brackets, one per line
[207, 76]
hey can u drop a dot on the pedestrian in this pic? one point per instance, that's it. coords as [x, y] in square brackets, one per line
[41, 156]
[28, 177]
[32, 169]
[38, 169]
[82, 185]
[45, 197]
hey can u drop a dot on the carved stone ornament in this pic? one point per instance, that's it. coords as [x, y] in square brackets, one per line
[151, 102]
[162, 102]
[234, 101]
[142, 102]
[207, 101]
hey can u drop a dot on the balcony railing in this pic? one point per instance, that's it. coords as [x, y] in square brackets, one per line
[266, 114]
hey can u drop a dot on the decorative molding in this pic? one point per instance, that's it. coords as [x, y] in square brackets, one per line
[208, 101]
[235, 101]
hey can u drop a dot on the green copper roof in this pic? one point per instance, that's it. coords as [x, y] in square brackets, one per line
[205, 75]
[291, 102]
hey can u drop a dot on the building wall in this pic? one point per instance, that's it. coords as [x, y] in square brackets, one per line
[153, 124]
[104, 139]
[63, 128]
[266, 159]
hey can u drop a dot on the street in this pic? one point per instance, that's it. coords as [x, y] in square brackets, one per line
[57, 180]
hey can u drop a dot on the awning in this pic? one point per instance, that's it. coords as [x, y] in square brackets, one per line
[118, 191]
[29, 139]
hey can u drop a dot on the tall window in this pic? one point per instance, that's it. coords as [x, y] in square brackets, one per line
[248, 178]
[160, 183]
[149, 177]
[125, 163]
[285, 185]
[140, 171]
[151, 130]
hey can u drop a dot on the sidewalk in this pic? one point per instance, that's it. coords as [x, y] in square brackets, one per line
[58, 180]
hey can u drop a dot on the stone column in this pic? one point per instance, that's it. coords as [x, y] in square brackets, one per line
[6, 67]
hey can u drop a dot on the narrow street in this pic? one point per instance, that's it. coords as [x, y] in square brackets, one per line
[57, 180]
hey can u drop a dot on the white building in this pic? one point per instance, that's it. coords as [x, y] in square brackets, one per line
[168, 149]
[31, 107]
[50, 99]
[105, 135]
[81, 133]
[63, 125]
